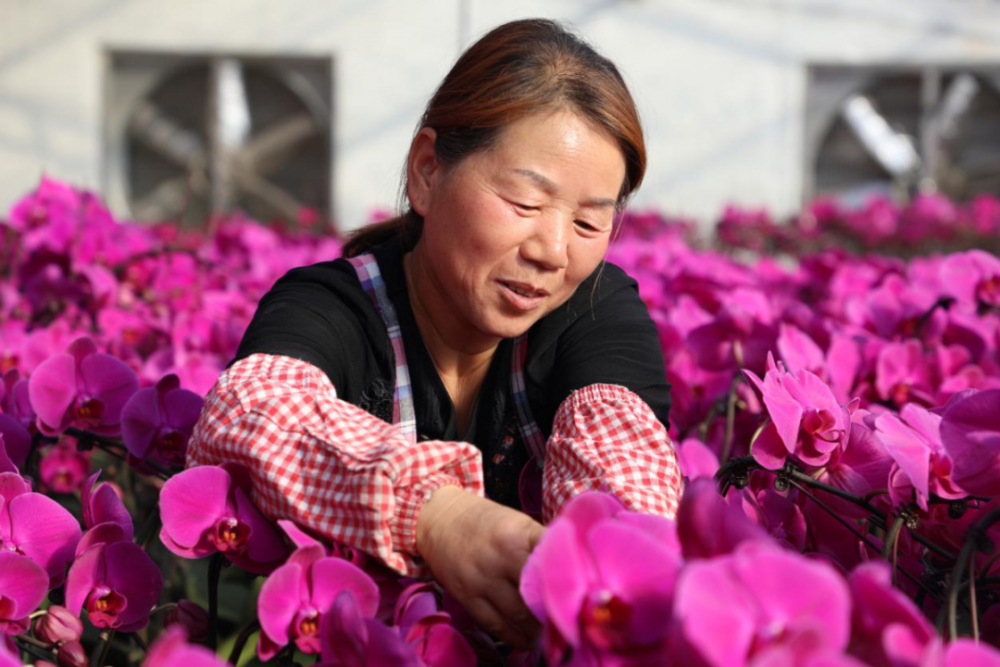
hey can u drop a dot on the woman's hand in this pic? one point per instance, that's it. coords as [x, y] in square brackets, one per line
[476, 549]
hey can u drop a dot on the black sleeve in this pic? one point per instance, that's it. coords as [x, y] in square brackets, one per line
[610, 339]
[319, 314]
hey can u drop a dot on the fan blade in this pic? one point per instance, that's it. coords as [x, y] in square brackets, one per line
[955, 104]
[893, 150]
[168, 200]
[157, 131]
[265, 152]
[286, 205]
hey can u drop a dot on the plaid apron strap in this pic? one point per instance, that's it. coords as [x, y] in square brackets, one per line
[403, 413]
[531, 434]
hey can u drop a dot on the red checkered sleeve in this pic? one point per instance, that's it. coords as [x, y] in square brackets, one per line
[606, 437]
[324, 463]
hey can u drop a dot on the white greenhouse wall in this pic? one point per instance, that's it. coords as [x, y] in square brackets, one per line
[720, 83]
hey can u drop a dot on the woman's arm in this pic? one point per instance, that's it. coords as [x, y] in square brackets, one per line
[324, 463]
[606, 437]
[609, 399]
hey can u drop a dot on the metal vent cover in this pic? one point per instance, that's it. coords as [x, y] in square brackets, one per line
[897, 130]
[189, 137]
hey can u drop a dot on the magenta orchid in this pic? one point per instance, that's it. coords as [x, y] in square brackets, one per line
[913, 440]
[101, 503]
[36, 526]
[428, 630]
[297, 594]
[172, 649]
[81, 387]
[23, 585]
[116, 582]
[970, 436]
[350, 638]
[157, 421]
[208, 509]
[808, 423]
[63, 467]
[602, 583]
[767, 599]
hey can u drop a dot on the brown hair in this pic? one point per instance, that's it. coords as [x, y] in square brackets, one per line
[516, 70]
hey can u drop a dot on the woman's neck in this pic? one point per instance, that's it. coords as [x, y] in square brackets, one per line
[459, 353]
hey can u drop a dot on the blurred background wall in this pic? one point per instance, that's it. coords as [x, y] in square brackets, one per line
[284, 106]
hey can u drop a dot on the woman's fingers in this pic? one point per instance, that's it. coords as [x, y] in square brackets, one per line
[503, 615]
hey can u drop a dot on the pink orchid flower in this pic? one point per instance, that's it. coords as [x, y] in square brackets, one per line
[103, 504]
[913, 440]
[81, 387]
[23, 585]
[428, 631]
[63, 467]
[970, 435]
[298, 593]
[115, 581]
[888, 629]
[208, 509]
[601, 581]
[807, 421]
[157, 422]
[757, 598]
[36, 526]
[350, 638]
[172, 648]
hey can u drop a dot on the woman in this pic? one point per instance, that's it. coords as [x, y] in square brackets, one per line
[476, 344]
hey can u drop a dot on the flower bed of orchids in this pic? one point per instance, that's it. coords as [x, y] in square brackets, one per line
[837, 420]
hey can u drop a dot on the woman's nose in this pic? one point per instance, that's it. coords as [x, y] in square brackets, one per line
[546, 246]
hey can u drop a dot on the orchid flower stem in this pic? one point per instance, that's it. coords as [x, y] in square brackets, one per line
[149, 526]
[32, 650]
[840, 493]
[214, 574]
[112, 447]
[864, 538]
[241, 641]
[727, 442]
[35, 642]
[972, 600]
[713, 411]
[102, 648]
[889, 548]
[988, 565]
[162, 608]
[139, 642]
[973, 538]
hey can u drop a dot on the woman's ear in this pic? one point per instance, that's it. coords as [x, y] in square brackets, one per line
[422, 169]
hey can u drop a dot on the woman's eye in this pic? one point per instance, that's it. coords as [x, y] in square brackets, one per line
[525, 207]
[586, 226]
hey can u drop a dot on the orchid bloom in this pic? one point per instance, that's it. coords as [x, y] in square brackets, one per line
[172, 648]
[350, 638]
[602, 581]
[81, 387]
[970, 434]
[36, 526]
[116, 582]
[913, 440]
[807, 422]
[297, 594]
[208, 509]
[758, 599]
[23, 585]
[157, 421]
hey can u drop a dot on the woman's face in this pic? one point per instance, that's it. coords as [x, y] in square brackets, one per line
[511, 232]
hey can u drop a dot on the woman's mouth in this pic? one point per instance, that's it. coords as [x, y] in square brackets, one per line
[523, 296]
